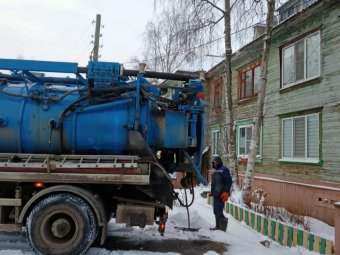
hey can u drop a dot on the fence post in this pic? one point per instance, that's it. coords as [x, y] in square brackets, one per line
[337, 228]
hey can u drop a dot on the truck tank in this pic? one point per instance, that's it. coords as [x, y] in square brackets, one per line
[104, 113]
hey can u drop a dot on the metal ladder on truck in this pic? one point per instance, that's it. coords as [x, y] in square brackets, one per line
[122, 169]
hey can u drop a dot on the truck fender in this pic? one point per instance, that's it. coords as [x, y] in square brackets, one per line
[96, 204]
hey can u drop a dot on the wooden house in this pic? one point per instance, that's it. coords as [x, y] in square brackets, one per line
[298, 162]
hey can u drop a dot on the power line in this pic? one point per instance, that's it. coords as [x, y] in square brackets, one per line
[87, 48]
[79, 39]
[200, 45]
[217, 39]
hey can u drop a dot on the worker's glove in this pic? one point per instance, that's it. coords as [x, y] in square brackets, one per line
[225, 196]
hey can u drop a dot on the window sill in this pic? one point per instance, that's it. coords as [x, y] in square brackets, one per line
[244, 159]
[300, 84]
[247, 100]
[317, 162]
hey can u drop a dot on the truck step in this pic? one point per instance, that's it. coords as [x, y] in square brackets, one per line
[10, 202]
[10, 228]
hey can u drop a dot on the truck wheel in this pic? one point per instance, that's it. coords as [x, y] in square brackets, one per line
[61, 224]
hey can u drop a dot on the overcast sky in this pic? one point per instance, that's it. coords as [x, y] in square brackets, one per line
[60, 30]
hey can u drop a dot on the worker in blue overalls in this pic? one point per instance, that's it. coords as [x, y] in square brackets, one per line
[220, 190]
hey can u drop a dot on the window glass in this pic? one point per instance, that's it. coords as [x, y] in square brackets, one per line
[290, 11]
[217, 93]
[248, 138]
[249, 82]
[242, 87]
[288, 65]
[225, 140]
[313, 136]
[214, 142]
[313, 55]
[287, 138]
[299, 60]
[242, 141]
[257, 73]
[299, 137]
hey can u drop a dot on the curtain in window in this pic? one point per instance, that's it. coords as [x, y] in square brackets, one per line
[299, 137]
[287, 138]
[313, 136]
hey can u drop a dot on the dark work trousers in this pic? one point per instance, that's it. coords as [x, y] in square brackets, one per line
[218, 208]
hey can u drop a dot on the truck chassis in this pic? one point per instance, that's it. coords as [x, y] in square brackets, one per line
[62, 200]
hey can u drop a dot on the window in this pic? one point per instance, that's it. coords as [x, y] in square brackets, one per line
[300, 138]
[306, 3]
[249, 82]
[244, 134]
[301, 60]
[219, 140]
[215, 136]
[225, 140]
[290, 11]
[217, 100]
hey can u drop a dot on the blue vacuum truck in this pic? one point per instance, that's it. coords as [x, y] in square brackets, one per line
[82, 145]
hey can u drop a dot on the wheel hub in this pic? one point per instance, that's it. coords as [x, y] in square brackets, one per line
[61, 227]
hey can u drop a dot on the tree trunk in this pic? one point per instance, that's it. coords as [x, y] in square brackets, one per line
[232, 159]
[249, 175]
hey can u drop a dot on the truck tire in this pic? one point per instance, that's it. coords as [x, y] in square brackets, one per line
[61, 224]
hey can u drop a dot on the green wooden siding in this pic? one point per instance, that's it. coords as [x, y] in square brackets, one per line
[322, 93]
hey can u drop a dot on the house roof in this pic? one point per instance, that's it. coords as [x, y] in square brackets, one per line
[297, 13]
[308, 8]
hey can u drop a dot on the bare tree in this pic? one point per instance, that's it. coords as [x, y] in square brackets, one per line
[258, 120]
[193, 27]
[173, 40]
[230, 113]
[188, 29]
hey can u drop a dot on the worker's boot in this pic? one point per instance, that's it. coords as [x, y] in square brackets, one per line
[217, 227]
[224, 224]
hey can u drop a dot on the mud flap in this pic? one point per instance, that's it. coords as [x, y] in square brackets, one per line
[161, 185]
[160, 181]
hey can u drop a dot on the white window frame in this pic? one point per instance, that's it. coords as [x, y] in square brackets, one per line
[239, 155]
[214, 146]
[299, 159]
[305, 61]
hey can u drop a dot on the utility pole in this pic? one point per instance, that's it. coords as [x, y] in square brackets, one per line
[96, 39]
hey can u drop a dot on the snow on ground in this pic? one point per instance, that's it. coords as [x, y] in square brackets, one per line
[239, 238]
[322, 229]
